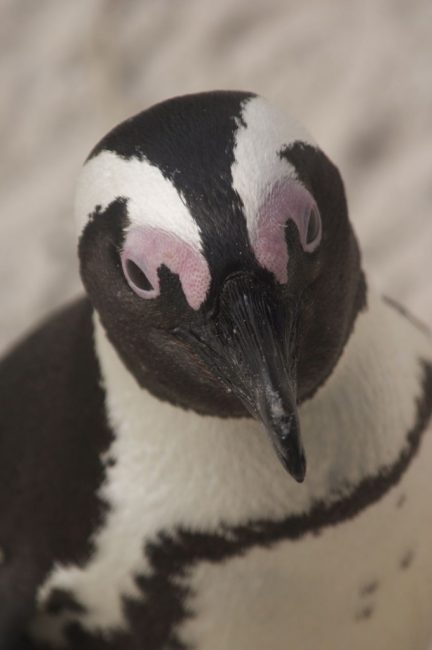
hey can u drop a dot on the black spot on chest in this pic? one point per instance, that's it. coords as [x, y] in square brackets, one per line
[407, 559]
[369, 588]
[365, 613]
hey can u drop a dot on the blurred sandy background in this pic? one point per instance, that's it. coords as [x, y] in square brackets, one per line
[358, 74]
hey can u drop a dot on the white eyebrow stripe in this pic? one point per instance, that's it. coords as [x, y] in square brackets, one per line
[152, 199]
[262, 133]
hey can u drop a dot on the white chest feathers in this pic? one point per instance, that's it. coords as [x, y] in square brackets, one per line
[168, 469]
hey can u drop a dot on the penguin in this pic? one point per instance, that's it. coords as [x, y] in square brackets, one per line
[226, 443]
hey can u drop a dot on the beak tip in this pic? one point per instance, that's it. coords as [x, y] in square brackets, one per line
[299, 473]
[287, 442]
[299, 477]
[295, 466]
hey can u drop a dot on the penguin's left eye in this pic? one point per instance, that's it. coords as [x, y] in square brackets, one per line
[313, 226]
[288, 201]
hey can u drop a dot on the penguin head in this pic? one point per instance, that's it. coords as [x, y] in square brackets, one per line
[216, 247]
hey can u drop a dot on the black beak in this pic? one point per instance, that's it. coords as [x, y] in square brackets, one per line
[250, 346]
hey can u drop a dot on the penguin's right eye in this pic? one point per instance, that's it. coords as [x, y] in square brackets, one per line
[136, 277]
[148, 249]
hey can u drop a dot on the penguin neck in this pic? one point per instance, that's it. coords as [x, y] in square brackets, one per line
[371, 412]
[356, 429]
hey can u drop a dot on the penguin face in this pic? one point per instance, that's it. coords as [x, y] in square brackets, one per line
[216, 247]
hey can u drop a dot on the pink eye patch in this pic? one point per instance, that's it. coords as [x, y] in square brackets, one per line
[146, 249]
[288, 199]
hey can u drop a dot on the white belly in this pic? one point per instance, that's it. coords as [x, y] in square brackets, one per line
[174, 469]
[362, 584]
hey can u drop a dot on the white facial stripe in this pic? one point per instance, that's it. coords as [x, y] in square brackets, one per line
[257, 165]
[152, 199]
